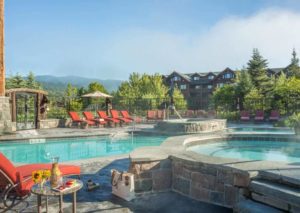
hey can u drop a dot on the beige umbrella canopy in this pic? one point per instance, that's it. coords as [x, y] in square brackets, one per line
[97, 94]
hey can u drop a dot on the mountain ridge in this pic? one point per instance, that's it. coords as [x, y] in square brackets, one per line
[57, 82]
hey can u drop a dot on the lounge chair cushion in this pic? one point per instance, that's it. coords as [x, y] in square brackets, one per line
[26, 170]
[8, 168]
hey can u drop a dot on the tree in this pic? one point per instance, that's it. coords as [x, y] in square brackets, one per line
[293, 69]
[224, 98]
[95, 86]
[31, 82]
[16, 81]
[243, 85]
[257, 68]
[254, 100]
[71, 98]
[146, 92]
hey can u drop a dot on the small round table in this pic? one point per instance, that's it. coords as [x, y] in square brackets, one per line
[47, 191]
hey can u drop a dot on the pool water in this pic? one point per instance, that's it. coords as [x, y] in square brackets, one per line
[41, 150]
[251, 150]
[261, 130]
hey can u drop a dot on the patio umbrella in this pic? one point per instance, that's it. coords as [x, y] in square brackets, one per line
[98, 94]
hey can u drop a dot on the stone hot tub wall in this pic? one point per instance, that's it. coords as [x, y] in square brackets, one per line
[152, 176]
[211, 183]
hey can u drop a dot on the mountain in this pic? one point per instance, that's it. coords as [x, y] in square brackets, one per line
[56, 83]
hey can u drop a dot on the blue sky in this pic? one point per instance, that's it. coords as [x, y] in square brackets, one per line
[109, 39]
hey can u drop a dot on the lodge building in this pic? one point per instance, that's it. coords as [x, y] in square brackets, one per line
[198, 87]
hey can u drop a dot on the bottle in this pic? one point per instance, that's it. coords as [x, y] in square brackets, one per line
[56, 178]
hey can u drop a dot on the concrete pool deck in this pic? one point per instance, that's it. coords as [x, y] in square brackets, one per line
[72, 132]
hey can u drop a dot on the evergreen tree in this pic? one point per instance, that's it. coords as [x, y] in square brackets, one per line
[293, 69]
[16, 81]
[257, 68]
[243, 86]
[31, 82]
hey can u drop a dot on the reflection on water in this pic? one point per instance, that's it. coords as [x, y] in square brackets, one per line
[252, 150]
[74, 149]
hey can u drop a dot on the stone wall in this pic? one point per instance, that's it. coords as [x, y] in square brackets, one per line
[54, 123]
[6, 125]
[210, 183]
[49, 123]
[153, 176]
[191, 125]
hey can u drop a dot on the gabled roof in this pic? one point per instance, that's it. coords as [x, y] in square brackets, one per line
[275, 70]
[184, 76]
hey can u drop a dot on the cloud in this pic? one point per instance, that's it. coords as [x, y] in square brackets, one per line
[114, 55]
[228, 43]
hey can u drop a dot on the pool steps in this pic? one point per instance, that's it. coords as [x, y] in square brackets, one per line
[273, 191]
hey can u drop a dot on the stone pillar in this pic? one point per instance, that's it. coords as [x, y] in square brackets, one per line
[5, 118]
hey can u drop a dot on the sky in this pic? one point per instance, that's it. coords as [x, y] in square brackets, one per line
[109, 39]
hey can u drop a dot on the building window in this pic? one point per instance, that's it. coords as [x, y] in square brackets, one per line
[197, 87]
[227, 75]
[220, 85]
[211, 77]
[176, 78]
[183, 86]
[209, 86]
[196, 78]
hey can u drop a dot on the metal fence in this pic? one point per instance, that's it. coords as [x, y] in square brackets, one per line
[286, 106]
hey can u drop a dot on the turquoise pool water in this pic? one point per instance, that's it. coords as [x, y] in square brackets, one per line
[41, 150]
[261, 130]
[252, 150]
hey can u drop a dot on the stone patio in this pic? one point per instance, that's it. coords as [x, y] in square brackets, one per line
[101, 200]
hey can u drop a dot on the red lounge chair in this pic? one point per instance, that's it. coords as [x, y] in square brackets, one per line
[115, 115]
[160, 114]
[16, 182]
[274, 116]
[90, 117]
[103, 115]
[151, 115]
[190, 113]
[76, 119]
[245, 116]
[259, 116]
[126, 115]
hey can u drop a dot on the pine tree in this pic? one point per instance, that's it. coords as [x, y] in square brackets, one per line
[243, 86]
[31, 82]
[293, 69]
[257, 69]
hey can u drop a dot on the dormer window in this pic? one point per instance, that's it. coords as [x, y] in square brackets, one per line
[227, 76]
[176, 78]
[211, 77]
[196, 78]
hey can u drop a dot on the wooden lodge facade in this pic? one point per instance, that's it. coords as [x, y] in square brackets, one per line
[198, 87]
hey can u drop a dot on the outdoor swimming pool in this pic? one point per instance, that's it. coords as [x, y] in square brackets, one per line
[251, 150]
[42, 150]
[262, 130]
